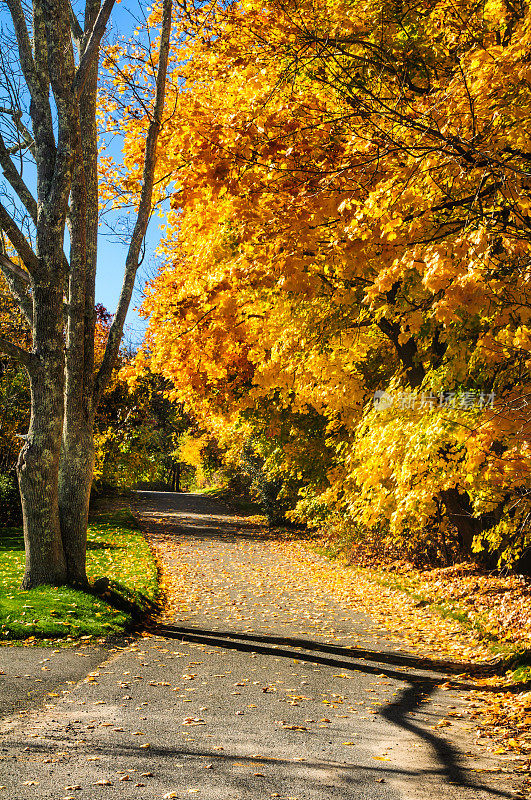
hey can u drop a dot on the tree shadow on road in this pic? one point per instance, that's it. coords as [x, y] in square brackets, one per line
[422, 676]
[348, 777]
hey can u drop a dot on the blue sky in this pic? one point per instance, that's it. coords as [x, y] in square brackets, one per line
[112, 253]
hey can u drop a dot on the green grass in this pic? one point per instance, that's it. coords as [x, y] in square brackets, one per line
[116, 550]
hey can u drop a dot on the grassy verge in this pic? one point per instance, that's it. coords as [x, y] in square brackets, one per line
[494, 609]
[116, 549]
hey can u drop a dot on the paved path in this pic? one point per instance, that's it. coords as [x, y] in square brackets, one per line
[29, 674]
[257, 686]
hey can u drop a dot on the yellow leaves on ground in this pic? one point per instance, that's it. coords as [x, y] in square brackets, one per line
[450, 621]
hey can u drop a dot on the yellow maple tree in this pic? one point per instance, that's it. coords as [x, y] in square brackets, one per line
[350, 193]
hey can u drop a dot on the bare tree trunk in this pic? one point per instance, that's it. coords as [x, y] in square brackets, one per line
[38, 462]
[81, 395]
[77, 453]
[47, 65]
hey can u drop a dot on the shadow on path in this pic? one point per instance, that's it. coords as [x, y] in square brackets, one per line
[397, 659]
[350, 775]
[197, 517]
[419, 678]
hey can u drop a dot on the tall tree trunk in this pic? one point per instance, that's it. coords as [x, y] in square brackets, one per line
[83, 391]
[57, 460]
[77, 453]
[61, 389]
[38, 462]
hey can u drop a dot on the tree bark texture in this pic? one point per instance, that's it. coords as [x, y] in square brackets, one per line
[38, 461]
[75, 481]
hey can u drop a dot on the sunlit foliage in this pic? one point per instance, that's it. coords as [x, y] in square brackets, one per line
[350, 211]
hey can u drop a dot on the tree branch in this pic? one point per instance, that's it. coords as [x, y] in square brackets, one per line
[18, 353]
[407, 352]
[17, 282]
[13, 176]
[19, 242]
[92, 46]
[77, 30]
[35, 68]
[24, 46]
[17, 289]
[144, 210]
[14, 269]
[27, 138]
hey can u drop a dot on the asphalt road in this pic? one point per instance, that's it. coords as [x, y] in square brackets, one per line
[255, 687]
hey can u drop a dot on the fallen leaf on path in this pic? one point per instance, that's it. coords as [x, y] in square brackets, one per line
[294, 728]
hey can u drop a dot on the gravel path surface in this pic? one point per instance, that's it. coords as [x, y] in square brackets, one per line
[256, 685]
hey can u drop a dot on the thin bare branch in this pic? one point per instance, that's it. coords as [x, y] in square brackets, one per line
[144, 208]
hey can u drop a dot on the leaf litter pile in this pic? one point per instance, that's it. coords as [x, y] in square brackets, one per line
[455, 613]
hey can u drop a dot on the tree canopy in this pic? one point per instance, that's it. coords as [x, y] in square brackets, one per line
[350, 193]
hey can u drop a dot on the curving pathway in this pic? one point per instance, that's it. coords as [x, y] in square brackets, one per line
[256, 684]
